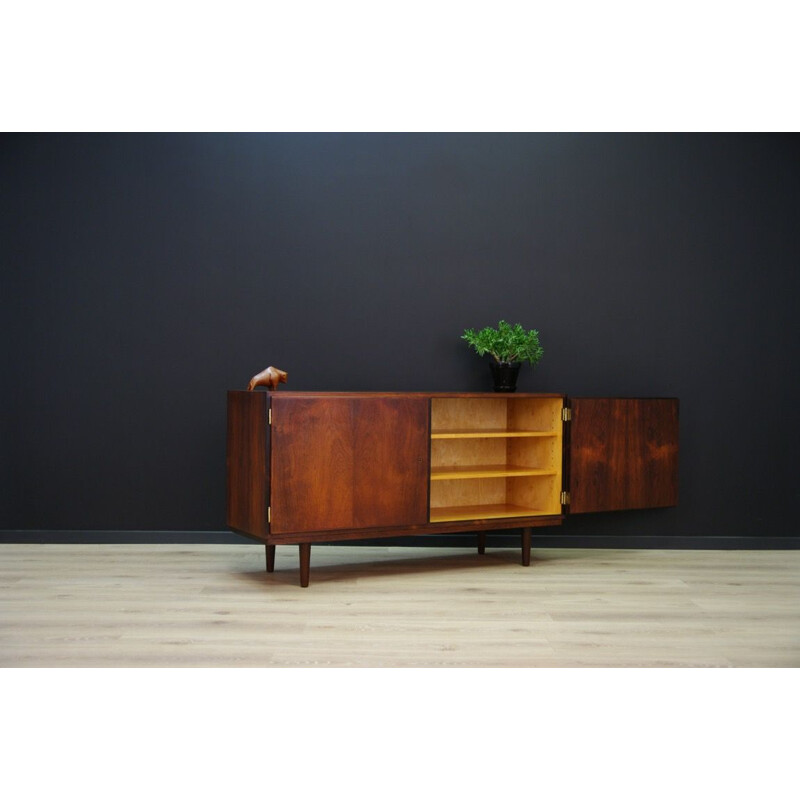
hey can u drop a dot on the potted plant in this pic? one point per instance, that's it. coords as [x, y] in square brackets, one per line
[509, 346]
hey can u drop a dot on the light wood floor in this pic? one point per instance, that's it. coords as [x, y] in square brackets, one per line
[214, 605]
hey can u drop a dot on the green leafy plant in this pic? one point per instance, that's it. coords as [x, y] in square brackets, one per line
[506, 343]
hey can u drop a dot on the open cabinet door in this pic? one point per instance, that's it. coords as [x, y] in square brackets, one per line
[623, 453]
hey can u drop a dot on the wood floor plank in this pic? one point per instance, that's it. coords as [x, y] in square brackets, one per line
[215, 605]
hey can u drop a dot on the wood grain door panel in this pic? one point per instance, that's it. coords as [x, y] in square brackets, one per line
[623, 453]
[391, 463]
[312, 465]
[348, 462]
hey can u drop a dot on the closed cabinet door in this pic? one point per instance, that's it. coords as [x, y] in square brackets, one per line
[348, 463]
[623, 453]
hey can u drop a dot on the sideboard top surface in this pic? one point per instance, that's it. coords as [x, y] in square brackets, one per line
[289, 393]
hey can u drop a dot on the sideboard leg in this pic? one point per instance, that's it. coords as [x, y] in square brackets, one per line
[526, 547]
[305, 563]
[270, 557]
[481, 543]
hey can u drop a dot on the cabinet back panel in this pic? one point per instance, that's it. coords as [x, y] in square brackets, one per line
[544, 453]
[467, 452]
[535, 413]
[540, 493]
[453, 414]
[476, 492]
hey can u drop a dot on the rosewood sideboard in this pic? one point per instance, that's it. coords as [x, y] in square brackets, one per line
[305, 467]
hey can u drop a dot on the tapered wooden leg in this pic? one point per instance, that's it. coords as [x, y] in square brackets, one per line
[305, 563]
[481, 543]
[270, 557]
[526, 547]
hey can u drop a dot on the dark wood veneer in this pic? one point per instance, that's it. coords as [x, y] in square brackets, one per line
[312, 465]
[623, 453]
[390, 478]
[348, 463]
[337, 466]
[248, 480]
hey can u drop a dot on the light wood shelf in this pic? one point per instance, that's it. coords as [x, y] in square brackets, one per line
[493, 511]
[489, 433]
[486, 471]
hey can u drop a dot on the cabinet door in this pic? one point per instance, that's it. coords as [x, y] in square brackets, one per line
[623, 453]
[348, 462]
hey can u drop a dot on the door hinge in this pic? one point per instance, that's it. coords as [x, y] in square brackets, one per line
[564, 498]
[269, 513]
[566, 414]
[269, 417]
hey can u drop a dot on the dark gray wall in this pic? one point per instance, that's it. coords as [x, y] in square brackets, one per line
[144, 275]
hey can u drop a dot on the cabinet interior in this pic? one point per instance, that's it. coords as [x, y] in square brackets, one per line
[495, 457]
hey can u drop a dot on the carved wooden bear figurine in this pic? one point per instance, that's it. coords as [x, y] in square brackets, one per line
[270, 378]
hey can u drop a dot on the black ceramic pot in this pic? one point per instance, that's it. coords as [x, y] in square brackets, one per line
[505, 376]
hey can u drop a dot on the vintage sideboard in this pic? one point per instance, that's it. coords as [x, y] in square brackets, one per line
[305, 467]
